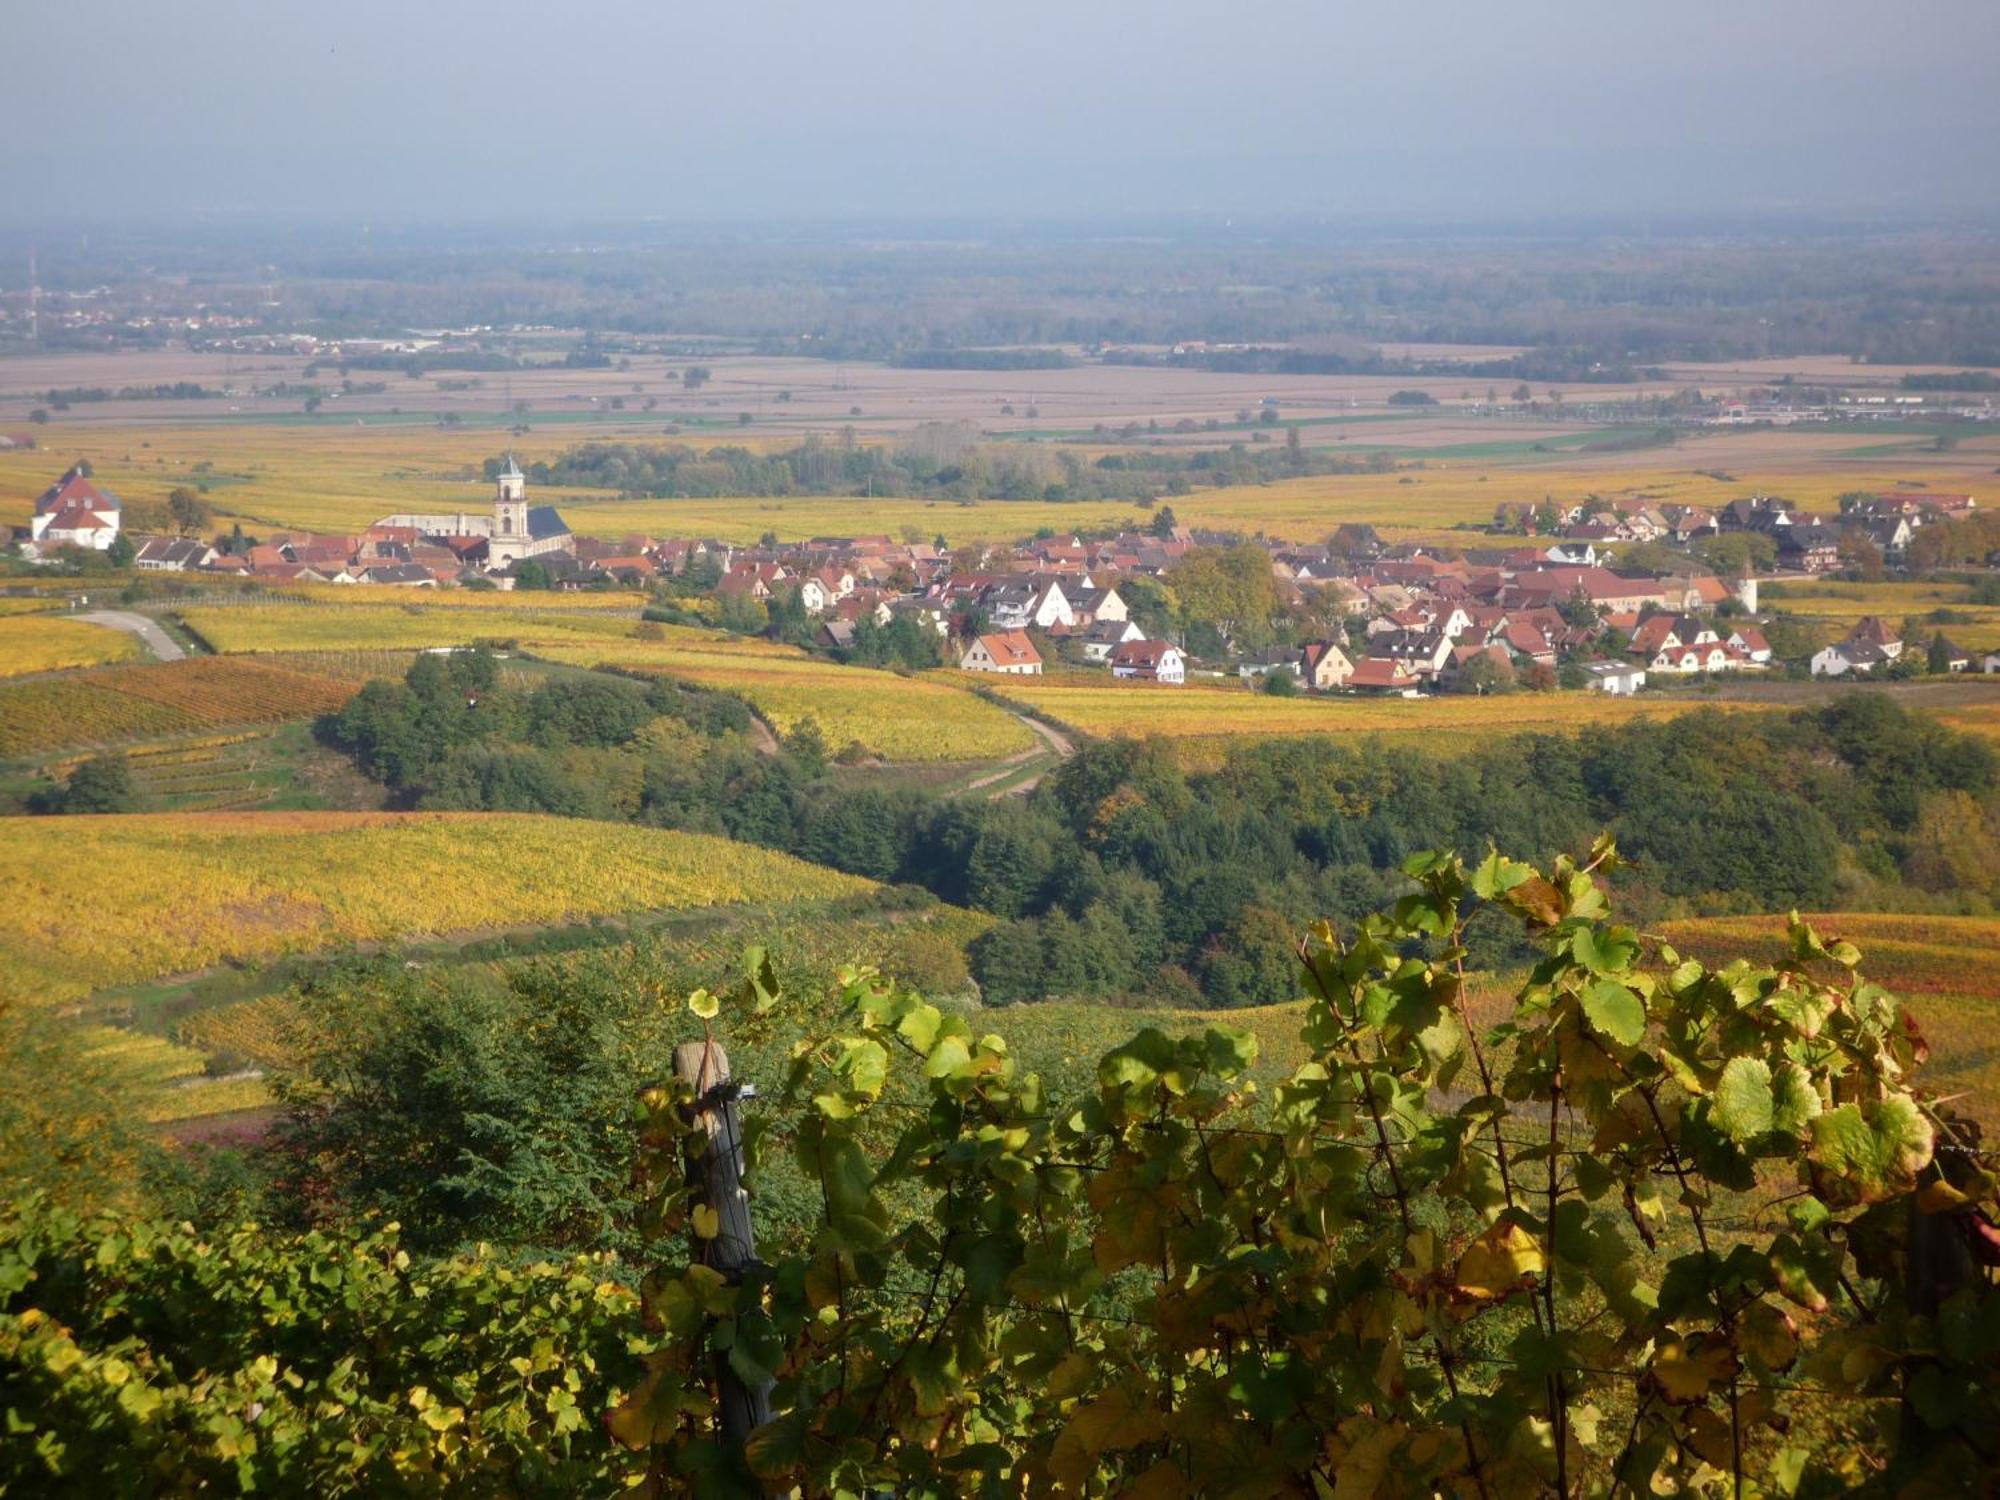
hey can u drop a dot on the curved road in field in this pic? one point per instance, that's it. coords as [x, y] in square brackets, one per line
[1057, 742]
[149, 632]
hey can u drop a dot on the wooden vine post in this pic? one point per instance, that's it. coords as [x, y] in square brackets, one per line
[716, 1175]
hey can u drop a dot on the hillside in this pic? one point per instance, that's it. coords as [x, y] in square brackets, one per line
[113, 900]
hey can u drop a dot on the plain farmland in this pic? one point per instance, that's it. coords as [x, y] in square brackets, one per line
[340, 479]
[268, 464]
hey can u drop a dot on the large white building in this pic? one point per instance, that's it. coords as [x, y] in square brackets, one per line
[73, 512]
[513, 531]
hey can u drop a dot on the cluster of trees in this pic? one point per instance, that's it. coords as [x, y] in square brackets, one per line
[982, 359]
[449, 736]
[1971, 542]
[101, 784]
[942, 460]
[179, 390]
[182, 513]
[1129, 876]
[1126, 875]
[1961, 380]
[1581, 365]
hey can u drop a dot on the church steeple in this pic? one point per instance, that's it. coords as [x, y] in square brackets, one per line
[513, 483]
[510, 502]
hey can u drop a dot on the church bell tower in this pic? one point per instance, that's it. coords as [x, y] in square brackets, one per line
[510, 502]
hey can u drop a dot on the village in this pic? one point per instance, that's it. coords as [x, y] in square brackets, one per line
[1541, 602]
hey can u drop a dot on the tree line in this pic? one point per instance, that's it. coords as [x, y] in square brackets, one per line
[1127, 875]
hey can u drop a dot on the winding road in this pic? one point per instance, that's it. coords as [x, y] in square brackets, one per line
[1055, 739]
[156, 640]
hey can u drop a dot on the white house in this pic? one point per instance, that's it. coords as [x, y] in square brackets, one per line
[1326, 666]
[73, 512]
[1858, 657]
[1750, 641]
[1106, 636]
[1100, 605]
[1616, 678]
[1150, 661]
[819, 592]
[1018, 605]
[1008, 652]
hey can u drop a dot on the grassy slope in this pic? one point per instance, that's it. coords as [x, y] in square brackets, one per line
[104, 901]
[47, 643]
[1097, 706]
[111, 704]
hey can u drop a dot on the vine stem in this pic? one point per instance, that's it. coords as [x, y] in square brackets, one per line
[1728, 1314]
[1558, 1393]
[1446, 1358]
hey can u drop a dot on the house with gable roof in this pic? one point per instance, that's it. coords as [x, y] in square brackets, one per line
[1008, 652]
[76, 512]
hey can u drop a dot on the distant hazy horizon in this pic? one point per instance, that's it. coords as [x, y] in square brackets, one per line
[885, 109]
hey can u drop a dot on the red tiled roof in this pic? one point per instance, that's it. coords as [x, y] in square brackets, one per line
[1010, 648]
[74, 489]
[1378, 671]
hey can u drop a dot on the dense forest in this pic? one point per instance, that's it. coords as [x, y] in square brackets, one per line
[1127, 875]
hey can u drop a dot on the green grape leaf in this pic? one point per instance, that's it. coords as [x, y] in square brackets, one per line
[1876, 1156]
[1795, 1102]
[1616, 1011]
[1744, 1106]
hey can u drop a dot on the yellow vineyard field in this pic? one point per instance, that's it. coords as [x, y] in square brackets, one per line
[924, 718]
[330, 478]
[119, 703]
[1139, 709]
[1911, 954]
[165, 1078]
[1977, 627]
[28, 605]
[341, 478]
[259, 1031]
[373, 626]
[535, 601]
[1982, 719]
[47, 643]
[91, 902]
[1433, 500]
[137, 1058]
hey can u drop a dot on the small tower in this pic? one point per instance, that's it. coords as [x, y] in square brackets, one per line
[510, 502]
[1746, 592]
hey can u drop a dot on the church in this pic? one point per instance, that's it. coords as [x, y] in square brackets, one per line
[515, 531]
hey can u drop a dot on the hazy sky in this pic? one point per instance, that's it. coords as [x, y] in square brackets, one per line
[746, 108]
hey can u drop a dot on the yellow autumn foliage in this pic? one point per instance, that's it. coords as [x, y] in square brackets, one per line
[48, 643]
[87, 903]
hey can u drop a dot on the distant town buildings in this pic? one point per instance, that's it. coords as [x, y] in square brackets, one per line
[1354, 614]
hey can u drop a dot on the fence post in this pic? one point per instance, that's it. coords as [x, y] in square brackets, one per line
[716, 1175]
